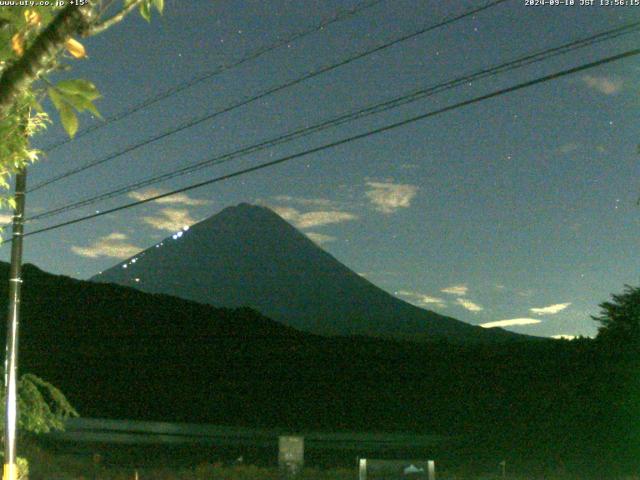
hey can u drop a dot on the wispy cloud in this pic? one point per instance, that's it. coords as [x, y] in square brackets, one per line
[114, 245]
[422, 299]
[564, 336]
[603, 84]
[459, 290]
[510, 322]
[313, 219]
[288, 213]
[170, 219]
[320, 238]
[525, 293]
[469, 305]
[380, 273]
[551, 309]
[387, 197]
[316, 202]
[567, 148]
[317, 219]
[177, 199]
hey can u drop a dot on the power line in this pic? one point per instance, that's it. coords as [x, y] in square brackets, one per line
[523, 61]
[263, 94]
[337, 17]
[374, 109]
[376, 131]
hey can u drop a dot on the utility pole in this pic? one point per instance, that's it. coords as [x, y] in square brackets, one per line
[10, 470]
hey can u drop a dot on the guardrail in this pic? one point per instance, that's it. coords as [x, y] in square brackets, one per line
[136, 432]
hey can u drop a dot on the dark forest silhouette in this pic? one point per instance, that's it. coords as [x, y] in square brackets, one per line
[120, 353]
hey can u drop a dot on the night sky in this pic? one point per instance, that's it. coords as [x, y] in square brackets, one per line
[519, 208]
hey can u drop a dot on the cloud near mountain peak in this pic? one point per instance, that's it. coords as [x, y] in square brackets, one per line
[313, 219]
[551, 309]
[170, 219]
[114, 245]
[387, 197]
[511, 322]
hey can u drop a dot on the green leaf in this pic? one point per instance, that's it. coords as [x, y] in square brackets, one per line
[159, 4]
[92, 108]
[145, 10]
[55, 97]
[67, 115]
[79, 87]
[81, 104]
[70, 95]
[36, 105]
[69, 119]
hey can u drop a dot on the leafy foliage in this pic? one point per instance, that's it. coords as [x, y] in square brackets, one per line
[18, 29]
[146, 6]
[41, 406]
[15, 150]
[21, 28]
[23, 467]
[71, 96]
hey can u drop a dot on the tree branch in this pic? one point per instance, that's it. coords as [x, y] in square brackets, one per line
[110, 22]
[17, 78]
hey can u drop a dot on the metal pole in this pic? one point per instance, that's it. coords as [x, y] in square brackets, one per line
[10, 471]
[431, 467]
[362, 469]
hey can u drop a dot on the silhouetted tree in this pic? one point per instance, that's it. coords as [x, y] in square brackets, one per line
[620, 319]
[618, 379]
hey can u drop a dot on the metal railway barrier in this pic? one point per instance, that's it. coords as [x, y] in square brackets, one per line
[142, 432]
[131, 443]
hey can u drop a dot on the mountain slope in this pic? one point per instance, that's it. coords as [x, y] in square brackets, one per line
[116, 351]
[249, 256]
